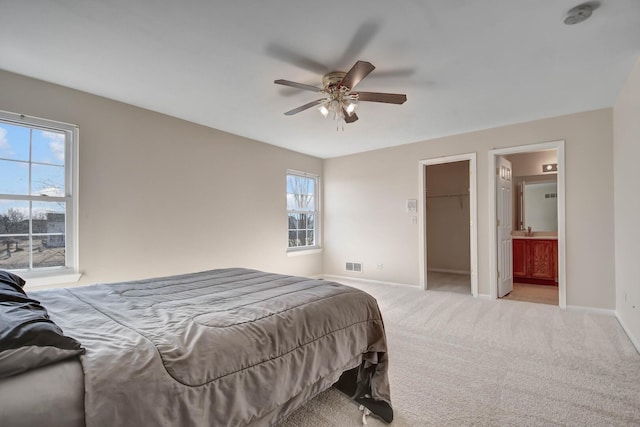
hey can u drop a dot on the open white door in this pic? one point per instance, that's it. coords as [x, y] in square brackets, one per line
[504, 212]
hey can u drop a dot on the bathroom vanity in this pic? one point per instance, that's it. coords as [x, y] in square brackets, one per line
[535, 259]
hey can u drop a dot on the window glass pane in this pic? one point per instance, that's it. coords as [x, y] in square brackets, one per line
[293, 238]
[14, 219]
[300, 193]
[49, 218]
[302, 221]
[48, 147]
[302, 238]
[14, 177]
[310, 240]
[47, 180]
[14, 253]
[14, 142]
[293, 221]
[48, 251]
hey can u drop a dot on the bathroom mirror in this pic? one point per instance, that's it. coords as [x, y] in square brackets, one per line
[539, 205]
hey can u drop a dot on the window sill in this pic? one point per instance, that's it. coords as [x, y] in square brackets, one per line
[299, 252]
[49, 279]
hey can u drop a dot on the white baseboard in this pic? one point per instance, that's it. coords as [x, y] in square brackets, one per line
[626, 330]
[444, 270]
[355, 280]
[594, 310]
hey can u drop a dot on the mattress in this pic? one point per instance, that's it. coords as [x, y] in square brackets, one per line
[51, 396]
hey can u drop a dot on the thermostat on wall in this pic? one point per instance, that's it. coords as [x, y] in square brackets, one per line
[412, 205]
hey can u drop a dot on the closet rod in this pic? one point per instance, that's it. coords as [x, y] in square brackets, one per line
[447, 195]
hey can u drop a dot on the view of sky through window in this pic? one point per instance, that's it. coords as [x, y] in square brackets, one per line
[31, 162]
[32, 203]
[301, 205]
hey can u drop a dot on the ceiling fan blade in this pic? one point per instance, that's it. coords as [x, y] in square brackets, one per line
[305, 107]
[389, 98]
[360, 40]
[287, 55]
[349, 118]
[398, 72]
[359, 71]
[298, 85]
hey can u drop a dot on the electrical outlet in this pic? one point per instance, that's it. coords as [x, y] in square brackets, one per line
[379, 266]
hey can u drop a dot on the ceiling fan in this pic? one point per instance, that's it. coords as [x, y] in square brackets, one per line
[339, 98]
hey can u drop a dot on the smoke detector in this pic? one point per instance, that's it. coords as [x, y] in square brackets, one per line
[579, 13]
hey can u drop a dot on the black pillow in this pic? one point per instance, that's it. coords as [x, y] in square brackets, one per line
[28, 337]
[11, 279]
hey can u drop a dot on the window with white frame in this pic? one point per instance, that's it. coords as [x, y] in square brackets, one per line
[38, 206]
[302, 210]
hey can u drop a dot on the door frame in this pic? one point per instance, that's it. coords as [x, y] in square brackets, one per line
[473, 216]
[493, 243]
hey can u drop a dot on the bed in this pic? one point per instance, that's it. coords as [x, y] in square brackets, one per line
[222, 347]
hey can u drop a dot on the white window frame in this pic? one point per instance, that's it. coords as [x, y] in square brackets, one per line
[298, 250]
[43, 277]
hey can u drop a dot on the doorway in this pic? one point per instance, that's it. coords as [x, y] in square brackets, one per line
[548, 243]
[448, 226]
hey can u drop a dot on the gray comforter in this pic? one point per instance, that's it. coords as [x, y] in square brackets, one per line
[217, 348]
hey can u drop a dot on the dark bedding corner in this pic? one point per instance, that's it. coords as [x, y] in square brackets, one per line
[28, 337]
[223, 347]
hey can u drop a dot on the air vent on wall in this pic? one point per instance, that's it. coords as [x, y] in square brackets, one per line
[354, 266]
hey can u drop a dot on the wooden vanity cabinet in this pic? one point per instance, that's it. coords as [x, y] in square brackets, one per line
[535, 261]
[520, 258]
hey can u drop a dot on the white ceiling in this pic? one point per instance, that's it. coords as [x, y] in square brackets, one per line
[464, 64]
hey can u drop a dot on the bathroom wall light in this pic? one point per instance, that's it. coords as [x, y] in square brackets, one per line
[550, 167]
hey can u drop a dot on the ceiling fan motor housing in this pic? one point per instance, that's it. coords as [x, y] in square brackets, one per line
[332, 79]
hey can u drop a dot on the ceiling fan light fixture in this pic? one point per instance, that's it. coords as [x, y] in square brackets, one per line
[323, 110]
[351, 107]
[336, 107]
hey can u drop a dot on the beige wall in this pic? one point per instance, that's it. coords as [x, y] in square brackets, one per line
[161, 196]
[365, 194]
[626, 151]
[528, 164]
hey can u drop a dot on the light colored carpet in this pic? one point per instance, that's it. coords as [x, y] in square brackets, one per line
[460, 361]
[449, 282]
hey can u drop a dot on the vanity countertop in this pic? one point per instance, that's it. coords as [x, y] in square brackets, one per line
[535, 237]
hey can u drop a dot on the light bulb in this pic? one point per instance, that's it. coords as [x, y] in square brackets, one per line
[351, 108]
[324, 110]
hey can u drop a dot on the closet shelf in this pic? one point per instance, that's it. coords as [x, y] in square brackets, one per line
[435, 196]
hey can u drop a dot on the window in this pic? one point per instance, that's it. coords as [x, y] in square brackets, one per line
[302, 210]
[38, 205]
